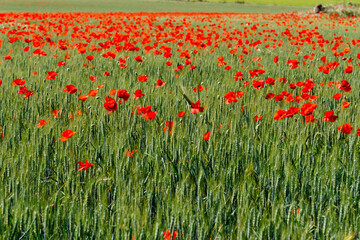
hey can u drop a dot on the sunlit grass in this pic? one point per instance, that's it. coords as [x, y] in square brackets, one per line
[285, 179]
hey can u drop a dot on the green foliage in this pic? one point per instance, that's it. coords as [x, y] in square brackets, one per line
[247, 182]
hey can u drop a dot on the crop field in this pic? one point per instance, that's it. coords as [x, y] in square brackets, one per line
[281, 3]
[179, 126]
[141, 6]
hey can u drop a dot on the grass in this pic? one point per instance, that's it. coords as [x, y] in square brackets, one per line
[284, 179]
[283, 2]
[137, 6]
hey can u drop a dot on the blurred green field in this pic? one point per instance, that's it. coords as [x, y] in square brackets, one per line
[138, 6]
[285, 2]
[251, 6]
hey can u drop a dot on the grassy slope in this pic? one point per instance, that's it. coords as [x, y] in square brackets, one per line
[136, 6]
[287, 2]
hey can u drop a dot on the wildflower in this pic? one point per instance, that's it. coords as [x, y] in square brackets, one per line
[181, 114]
[207, 136]
[41, 123]
[159, 83]
[195, 107]
[67, 134]
[70, 89]
[110, 104]
[85, 165]
[82, 97]
[345, 128]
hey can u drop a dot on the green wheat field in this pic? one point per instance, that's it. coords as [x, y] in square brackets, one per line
[178, 125]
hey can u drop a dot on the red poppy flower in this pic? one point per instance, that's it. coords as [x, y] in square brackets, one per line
[181, 114]
[276, 59]
[192, 67]
[230, 97]
[345, 105]
[81, 50]
[90, 57]
[92, 78]
[292, 111]
[279, 97]
[70, 89]
[329, 116]
[337, 96]
[310, 118]
[92, 93]
[51, 75]
[169, 236]
[239, 94]
[62, 63]
[39, 52]
[280, 114]
[18, 82]
[308, 108]
[258, 84]
[149, 115]
[348, 69]
[195, 107]
[345, 86]
[41, 123]
[269, 95]
[207, 136]
[82, 97]
[85, 165]
[28, 94]
[256, 72]
[238, 76]
[56, 113]
[106, 73]
[110, 104]
[142, 78]
[145, 110]
[313, 98]
[345, 128]
[123, 94]
[66, 135]
[22, 90]
[138, 94]
[139, 59]
[198, 88]
[159, 83]
[324, 69]
[131, 153]
[293, 63]
[270, 81]
[292, 86]
[168, 126]
[257, 118]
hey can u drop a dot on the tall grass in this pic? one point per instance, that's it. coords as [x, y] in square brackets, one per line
[269, 179]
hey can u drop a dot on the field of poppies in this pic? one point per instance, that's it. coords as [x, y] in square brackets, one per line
[179, 126]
